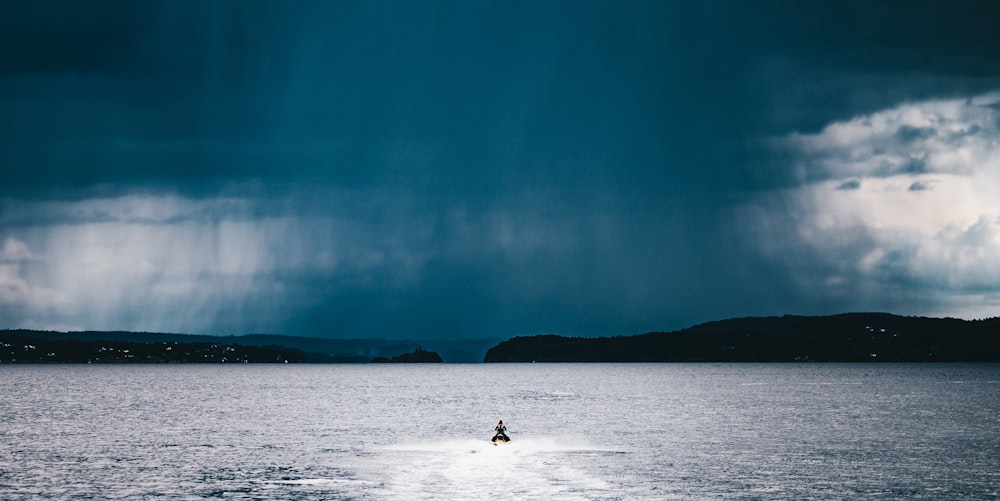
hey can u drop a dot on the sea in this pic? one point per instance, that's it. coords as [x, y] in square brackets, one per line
[579, 431]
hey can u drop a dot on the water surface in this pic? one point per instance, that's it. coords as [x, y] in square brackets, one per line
[580, 431]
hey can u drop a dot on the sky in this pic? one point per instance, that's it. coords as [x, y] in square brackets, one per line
[467, 169]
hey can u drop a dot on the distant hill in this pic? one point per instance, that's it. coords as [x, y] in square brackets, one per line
[851, 337]
[22, 348]
[307, 349]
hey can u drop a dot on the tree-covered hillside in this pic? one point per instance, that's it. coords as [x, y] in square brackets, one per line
[852, 337]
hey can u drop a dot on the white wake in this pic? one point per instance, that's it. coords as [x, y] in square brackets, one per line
[533, 468]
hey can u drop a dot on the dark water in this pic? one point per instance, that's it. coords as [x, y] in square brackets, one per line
[671, 431]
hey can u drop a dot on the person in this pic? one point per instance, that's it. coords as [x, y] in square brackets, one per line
[501, 432]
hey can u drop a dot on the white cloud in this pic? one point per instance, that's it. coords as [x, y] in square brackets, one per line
[232, 264]
[16, 292]
[13, 288]
[901, 202]
[150, 262]
[962, 257]
[14, 250]
[134, 208]
[957, 137]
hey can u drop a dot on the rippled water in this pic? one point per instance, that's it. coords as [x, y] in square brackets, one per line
[669, 431]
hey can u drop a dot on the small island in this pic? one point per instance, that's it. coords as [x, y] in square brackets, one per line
[418, 356]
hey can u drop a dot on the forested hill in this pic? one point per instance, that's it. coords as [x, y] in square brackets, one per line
[30, 346]
[851, 337]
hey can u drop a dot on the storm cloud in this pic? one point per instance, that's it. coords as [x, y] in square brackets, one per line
[467, 169]
[921, 220]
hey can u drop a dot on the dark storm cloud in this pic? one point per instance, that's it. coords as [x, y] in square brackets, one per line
[459, 168]
[918, 40]
[41, 38]
[187, 91]
[850, 184]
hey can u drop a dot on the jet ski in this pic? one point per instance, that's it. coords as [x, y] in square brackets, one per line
[500, 438]
[501, 435]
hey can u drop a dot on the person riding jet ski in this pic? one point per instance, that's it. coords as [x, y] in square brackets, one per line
[501, 434]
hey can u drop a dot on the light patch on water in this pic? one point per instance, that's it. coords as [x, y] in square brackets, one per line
[533, 468]
[534, 444]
